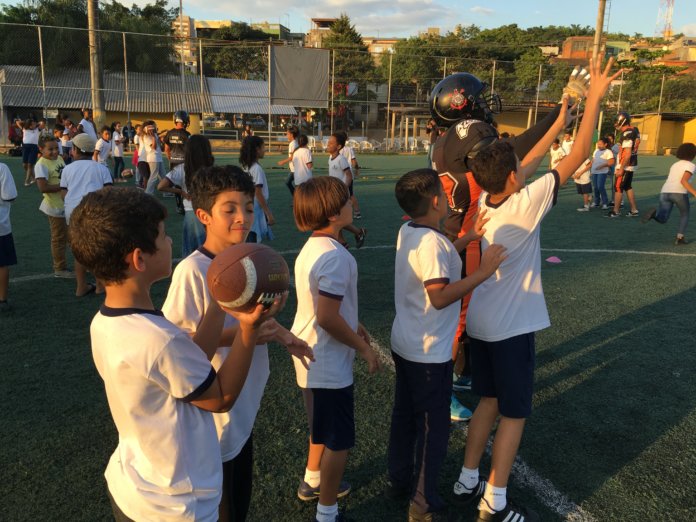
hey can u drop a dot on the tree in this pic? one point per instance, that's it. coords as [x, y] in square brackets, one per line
[65, 46]
[352, 64]
[235, 52]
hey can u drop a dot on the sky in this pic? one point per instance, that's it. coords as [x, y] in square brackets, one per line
[404, 18]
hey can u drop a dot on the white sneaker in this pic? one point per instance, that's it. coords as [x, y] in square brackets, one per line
[583, 209]
[604, 207]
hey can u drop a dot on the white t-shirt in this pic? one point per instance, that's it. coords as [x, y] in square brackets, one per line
[117, 148]
[89, 128]
[300, 158]
[584, 178]
[259, 176]
[292, 146]
[556, 156]
[338, 166]
[601, 157]
[30, 136]
[150, 149]
[187, 301]
[325, 267]
[420, 332]
[177, 177]
[567, 146]
[167, 463]
[511, 301]
[348, 153]
[673, 184]
[66, 142]
[80, 178]
[103, 148]
[8, 193]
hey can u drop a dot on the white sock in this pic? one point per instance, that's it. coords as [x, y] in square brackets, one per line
[494, 499]
[313, 478]
[469, 478]
[327, 513]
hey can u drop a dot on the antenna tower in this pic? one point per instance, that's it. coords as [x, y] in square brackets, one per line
[663, 26]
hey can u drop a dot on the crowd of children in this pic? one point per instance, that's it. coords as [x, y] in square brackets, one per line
[193, 375]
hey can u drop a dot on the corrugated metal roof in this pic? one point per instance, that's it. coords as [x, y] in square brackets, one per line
[243, 96]
[70, 89]
[147, 92]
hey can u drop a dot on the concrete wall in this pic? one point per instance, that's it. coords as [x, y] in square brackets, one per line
[671, 133]
[689, 135]
[647, 126]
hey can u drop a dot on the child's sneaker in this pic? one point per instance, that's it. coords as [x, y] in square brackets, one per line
[650, 214]
[583, 209]
[306, 492]
[64, 274]
[613, 214]
[466, 496]
[459, 412]
[594, 205]
[681, 241]
[463, 383]
[633, 213]
[604, 207]
[507, 514]
[341, 517]
[360, 238]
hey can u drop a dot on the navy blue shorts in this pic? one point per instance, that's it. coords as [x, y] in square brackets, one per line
[333, 422]
[30, 153]
[505, 370]
[8, 256]
[584, 188]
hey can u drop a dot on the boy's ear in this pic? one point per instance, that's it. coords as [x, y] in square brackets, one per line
[135, 260]
[203, 216]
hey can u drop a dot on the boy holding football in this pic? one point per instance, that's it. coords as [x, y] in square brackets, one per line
[508, 308]
[223, 200]
[159, 382]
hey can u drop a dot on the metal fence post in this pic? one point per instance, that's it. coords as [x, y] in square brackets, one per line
[43, 76]
[125, 78]
[536, 104]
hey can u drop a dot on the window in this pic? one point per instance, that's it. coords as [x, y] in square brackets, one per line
[580, 46]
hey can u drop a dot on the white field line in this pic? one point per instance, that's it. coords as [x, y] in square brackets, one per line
[526, 476]
[38, 277]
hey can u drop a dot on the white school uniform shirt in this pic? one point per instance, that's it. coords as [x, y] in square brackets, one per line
[300, 158]
[567, 146]
[89, 128]
[601, 157]
[673, 184]
[30, 136]
[103, 147]
[420, 332]
[292, 146]
[511, 301]
[150, 148]
[348, 153]
[80, 178]
[117, 148]
[556, 156]
[8, 193]
[177, 177]
[338, 166]
[66, 142]
[325, 267]
[584, 178]
[187, 301]
[167, 465]
[259, 176]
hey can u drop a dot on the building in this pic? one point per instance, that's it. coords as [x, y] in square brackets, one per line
[683, 49]
[661, 134]
[578, 49]
[184, 28]
[378, 46]
[320, 29]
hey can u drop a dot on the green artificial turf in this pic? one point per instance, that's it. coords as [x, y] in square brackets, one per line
[614, 421]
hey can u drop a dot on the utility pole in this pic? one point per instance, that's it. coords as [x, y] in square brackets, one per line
[95, 64]
[599, 28]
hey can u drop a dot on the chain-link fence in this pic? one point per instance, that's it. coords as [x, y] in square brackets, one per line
[381, 99]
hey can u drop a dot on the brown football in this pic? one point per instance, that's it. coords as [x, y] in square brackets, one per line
[244, 275]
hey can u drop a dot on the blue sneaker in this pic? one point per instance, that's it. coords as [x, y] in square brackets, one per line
[459, 412]
[306, 492]
[463, 383]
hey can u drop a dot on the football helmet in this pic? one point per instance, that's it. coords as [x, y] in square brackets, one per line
[622, 118]
[459, 96]
[182, 116]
